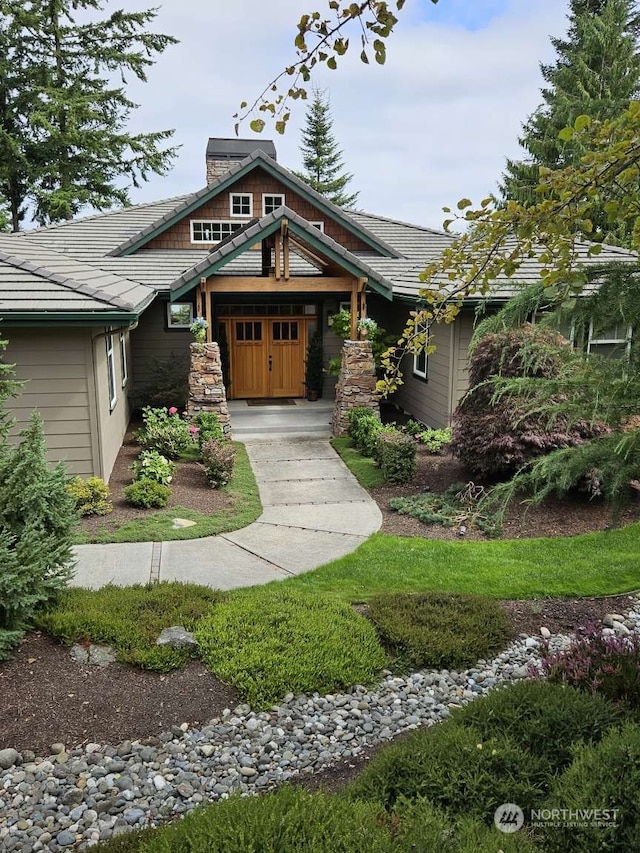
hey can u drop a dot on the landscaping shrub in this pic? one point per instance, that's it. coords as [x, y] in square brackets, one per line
[208, 427]
[459, 504]
[604, 776]
[395, 452]
[147, 493]
[492, 437]
[288, 820]
[164, 431]
[130, 619]
[37, 515]
[364, 424]
[436, 439]
[597, 663]
[91, 495]
[439, 630]
[218, 458]
[151, 465]
[457, 770]
[545, 719]
[270, 641]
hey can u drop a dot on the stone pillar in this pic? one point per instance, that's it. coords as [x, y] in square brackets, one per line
[206, 386]
[356, 384]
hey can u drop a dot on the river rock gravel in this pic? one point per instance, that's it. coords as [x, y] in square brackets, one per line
[74, 798]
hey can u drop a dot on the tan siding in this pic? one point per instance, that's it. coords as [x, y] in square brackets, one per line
[464, 332]
[112, 423]
[151, 340]
[53, 362]
[429, 402]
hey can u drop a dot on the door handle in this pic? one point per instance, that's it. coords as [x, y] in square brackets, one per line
[270, 363]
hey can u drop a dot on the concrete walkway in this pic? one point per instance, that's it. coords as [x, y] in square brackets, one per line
[314, 512]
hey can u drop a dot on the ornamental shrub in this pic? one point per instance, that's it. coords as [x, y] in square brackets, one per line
[91, 495]
[604, 776]
[208, 427]
[164, 431]
[152, 465]
[269, 641]
[492, 437]
[599, 663]
[37, 514]
[364, 424]
[457, 770]
[395, 453]
[147, 493]
[436, 439]
[437, 629]
[218, 458]
[545, 719]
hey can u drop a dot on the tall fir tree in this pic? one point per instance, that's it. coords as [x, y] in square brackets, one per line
[596, 72]
[64, 142]
[321, 157]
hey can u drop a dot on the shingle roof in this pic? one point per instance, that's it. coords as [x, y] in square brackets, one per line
[239, 148]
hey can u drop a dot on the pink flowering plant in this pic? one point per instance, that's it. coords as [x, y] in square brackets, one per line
[599, 663]
[164, 431]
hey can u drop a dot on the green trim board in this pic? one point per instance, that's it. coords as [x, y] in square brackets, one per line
[65, 318]
[245, 238]
[262, 161]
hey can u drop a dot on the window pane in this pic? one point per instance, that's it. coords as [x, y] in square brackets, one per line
[276, 332]
[257, 331]
[180, 314]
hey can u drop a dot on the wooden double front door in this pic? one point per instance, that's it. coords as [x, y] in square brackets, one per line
[267, 356]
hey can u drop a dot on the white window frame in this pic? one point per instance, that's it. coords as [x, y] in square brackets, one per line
[233, 226]
[243, 197]
[111, 372]
[421, 373]
[319, 225]
[179, 326]
[265, 196]
[123, 358]
[626, 341]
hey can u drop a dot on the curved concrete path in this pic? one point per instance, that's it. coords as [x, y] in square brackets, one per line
[314, 511]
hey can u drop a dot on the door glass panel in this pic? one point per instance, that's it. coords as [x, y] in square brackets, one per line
[294, 330]
[276, 332]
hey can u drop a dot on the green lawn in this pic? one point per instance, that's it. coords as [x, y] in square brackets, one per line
[245, 507]
[602, 563]
[363, 469]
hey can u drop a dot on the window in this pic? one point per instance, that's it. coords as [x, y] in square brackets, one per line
[614, 341]
[248, 331]
[421, 359]
[212, 232]
[271, 202]
[318, 225]
[240, 204]
[285, 330]
[123, 358]
[179, 315]
[111, 372]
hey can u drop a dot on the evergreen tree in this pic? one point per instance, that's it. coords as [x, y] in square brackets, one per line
[321, 157]
[64, 143]
[597, 73]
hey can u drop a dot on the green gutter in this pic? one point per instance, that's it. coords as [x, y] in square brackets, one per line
[50, 318]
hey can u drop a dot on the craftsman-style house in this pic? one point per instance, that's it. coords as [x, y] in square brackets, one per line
[87, 304]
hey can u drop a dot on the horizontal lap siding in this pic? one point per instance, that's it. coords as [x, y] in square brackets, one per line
[112, 423]
[151, 340]
[430, 402]
[54, 365]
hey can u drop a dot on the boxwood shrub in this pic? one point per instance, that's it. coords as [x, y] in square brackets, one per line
[364, 425]
[270, 641]
[395, 452]
[441, 630]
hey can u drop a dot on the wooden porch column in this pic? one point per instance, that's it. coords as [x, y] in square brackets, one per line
[284, 230]
[354, 310]
[206, 307]
[362, 298]
[199, 297]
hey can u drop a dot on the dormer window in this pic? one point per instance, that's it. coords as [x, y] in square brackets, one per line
[271, 202]
[206, 231]
[240, 204]
[319, 225]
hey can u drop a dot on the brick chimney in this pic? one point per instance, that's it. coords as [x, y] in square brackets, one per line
[224, 154]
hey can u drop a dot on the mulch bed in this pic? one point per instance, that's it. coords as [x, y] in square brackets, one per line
[189, 489]
[46, 697]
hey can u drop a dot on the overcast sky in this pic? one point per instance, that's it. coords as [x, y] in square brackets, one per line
[431, 126]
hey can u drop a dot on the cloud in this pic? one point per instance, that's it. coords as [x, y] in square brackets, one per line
[434, 124]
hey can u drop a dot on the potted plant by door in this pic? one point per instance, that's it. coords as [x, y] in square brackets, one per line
[313, 367]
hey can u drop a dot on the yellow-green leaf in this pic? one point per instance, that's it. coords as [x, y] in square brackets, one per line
[257, 125]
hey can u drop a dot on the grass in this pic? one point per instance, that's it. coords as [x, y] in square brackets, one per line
[244, 508]
[362, 467]
[594, 564]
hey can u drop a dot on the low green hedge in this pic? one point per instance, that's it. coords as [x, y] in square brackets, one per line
[268, 641]
[395, 453]
[130, 619]
[441, 630]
